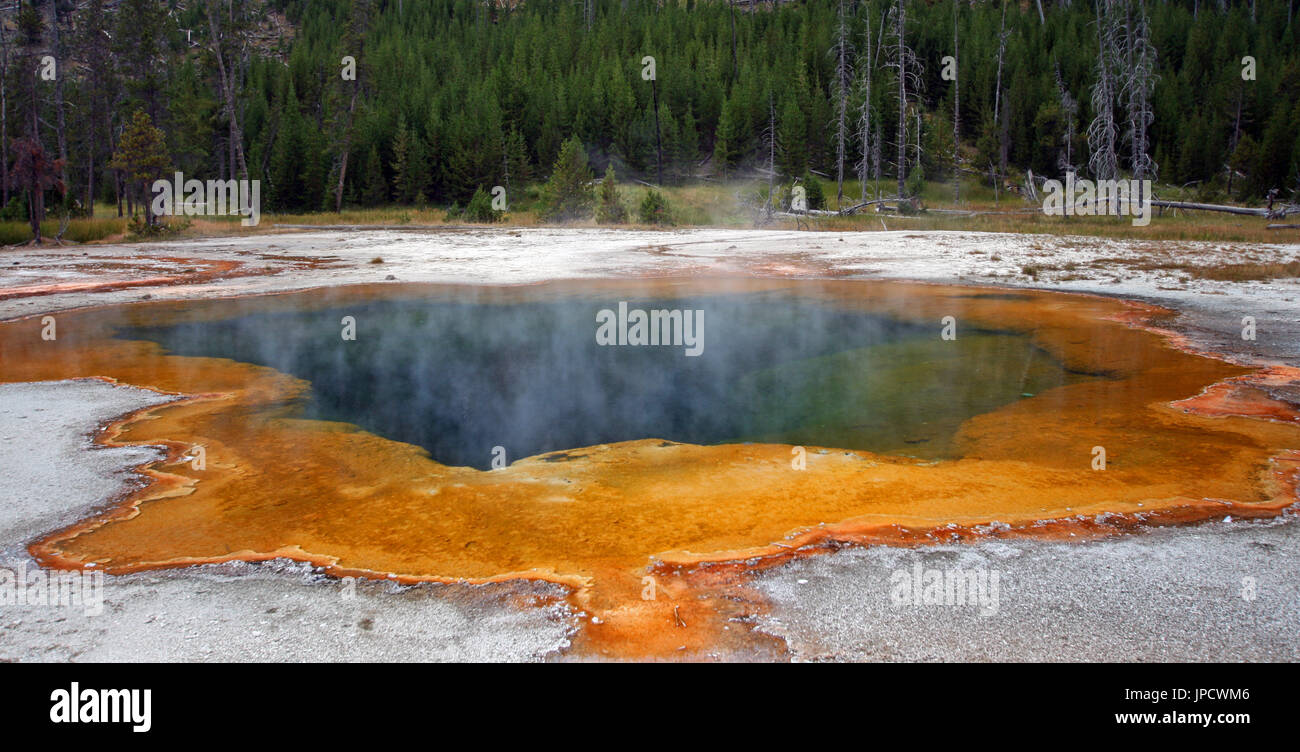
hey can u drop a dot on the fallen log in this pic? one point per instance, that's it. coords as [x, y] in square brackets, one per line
[1210, 207]
[857, 207]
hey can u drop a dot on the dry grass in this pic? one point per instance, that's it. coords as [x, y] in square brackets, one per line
[1248, 272]
[721, 204]
[1184, 263]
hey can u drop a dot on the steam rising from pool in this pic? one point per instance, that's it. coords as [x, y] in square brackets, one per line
[462, 377]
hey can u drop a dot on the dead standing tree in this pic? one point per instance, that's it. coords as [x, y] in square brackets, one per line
[1103, 159]
[869, 149]
[956, 108]
[4, 115]
[1138, 87]
[1070, 110]
[735, 69]
[659, 133]
[228, 93]
[907, 71]
[843, 50]
[93, 46]
[1003, 35]
[769, 135]
[60, 120]
[353, 40]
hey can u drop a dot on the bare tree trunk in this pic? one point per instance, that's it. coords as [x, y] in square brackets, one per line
[842, 75]
[60, 122]
[1103, 161]
[916, 113]
[735, 71]
[355, 36]
[864, 118]
[117, 174]
[34, 126]
[35, 196]
[956, 106]
[877, 157]
[1139, 85]
[1070, 109]
[659, 139]
[227, 89]
[347, 147]
[771, 152]
[998, 118]
[4, 115]
[36, 212]
[90, 172]
[1236, 137]
[900, 32]
[1211, 207]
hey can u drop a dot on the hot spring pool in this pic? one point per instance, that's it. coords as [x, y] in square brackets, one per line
[814, 413]
[463, 377]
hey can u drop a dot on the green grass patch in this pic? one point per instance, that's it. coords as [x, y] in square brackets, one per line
[84, 230]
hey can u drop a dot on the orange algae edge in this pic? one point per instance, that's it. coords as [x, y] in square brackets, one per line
[1187, 438]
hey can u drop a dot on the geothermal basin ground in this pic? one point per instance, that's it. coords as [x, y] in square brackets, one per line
[1220, 590]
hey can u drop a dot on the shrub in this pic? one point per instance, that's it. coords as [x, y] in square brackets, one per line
[654, 209]
[138, 229]
[812, 192]
[15, 210]
[480, 208]
[915, 182]
[813, 189]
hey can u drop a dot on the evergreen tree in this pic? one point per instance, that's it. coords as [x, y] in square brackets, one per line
[568, 194]
[609, 205]
[410, 166]
[517, 169]
[142, 156]
[792, 139]
[488, 96]
[297, 178]
[728, 146]
[374, 189]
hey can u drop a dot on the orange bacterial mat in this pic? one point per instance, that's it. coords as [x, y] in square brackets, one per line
[1186, 438]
